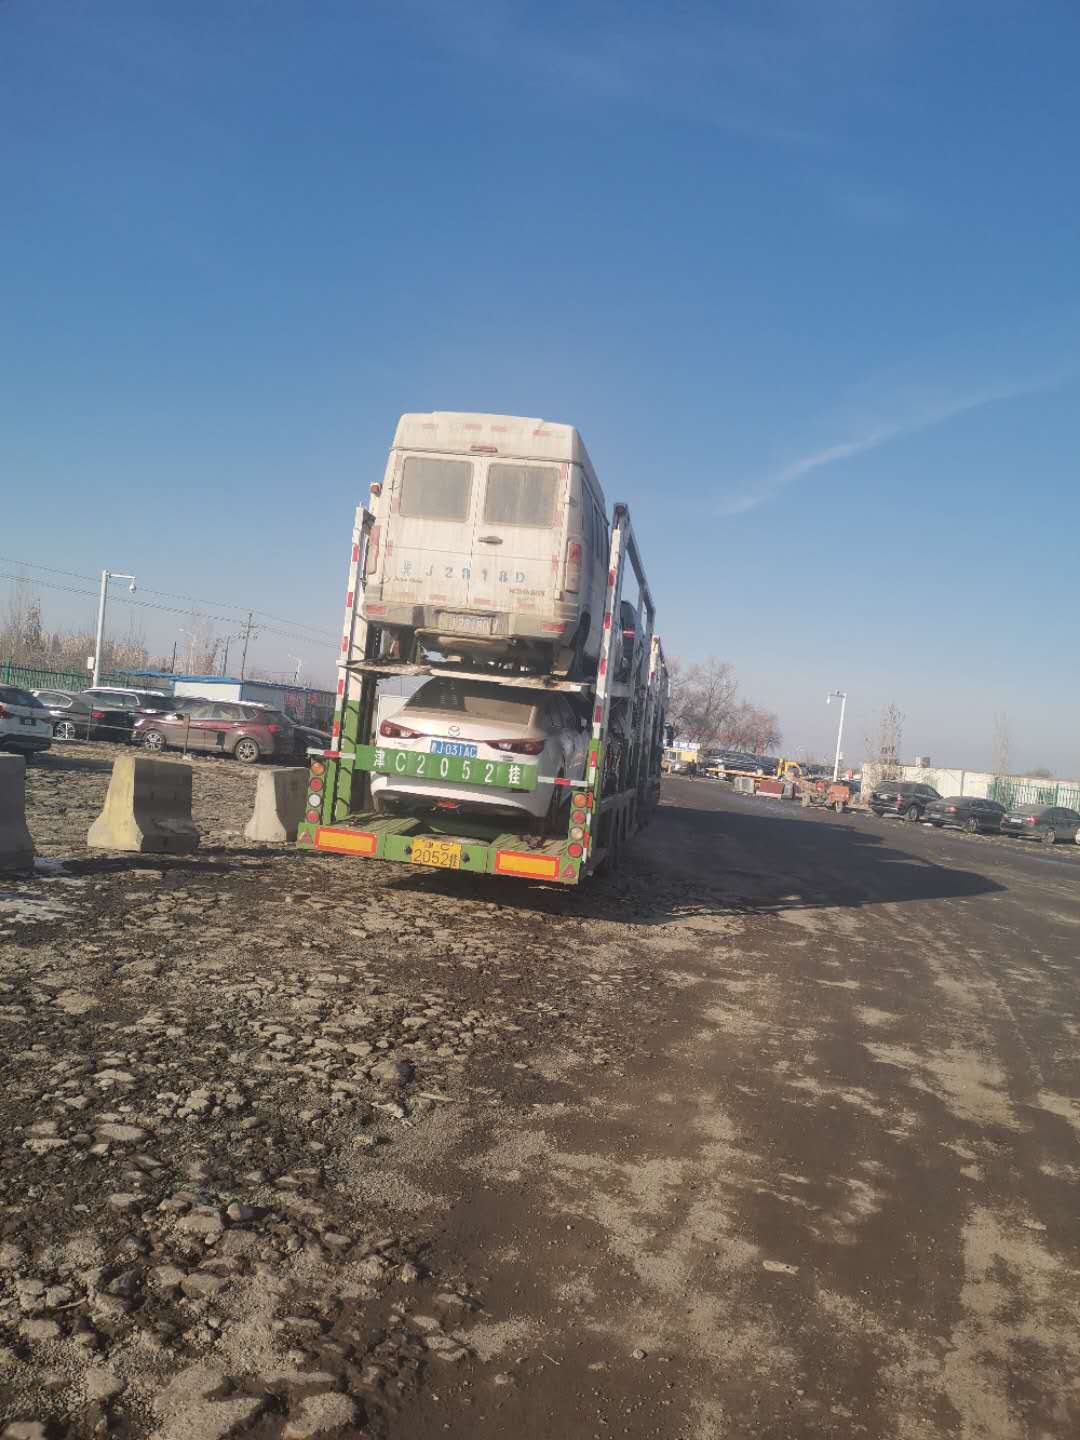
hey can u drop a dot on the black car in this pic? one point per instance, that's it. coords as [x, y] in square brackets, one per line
[970, 814]
[902, 797]
[1048, 823]
[78, 716]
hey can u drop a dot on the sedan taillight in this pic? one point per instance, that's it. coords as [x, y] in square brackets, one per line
[390, 731]
[1029, 820]
[518, 747]
[97, 714]
[5, 713]
[950, 809]
[273, 729]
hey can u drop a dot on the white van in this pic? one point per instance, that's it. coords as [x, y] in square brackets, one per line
[490, 541]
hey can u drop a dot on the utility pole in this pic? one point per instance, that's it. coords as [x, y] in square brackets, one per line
[299, 668]
[246, 634]
[172, 663]
[840, 695]
[106, 576]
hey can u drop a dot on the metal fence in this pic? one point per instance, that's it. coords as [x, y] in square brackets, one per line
[33, 677]
[1013, 793]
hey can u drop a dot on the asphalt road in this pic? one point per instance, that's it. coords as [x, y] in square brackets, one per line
[833, 1190]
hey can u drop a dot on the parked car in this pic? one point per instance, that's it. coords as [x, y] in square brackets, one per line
[975, 816]
[902, 797]
[78, 716]
[123, 697]
[1048, 823]
[25, 724]
[482, 721]
[247, 732]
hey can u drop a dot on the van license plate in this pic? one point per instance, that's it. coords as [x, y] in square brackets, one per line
[453, 747]
[443, 853]
[467, 624]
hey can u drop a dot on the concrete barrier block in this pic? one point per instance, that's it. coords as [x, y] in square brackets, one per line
[279, 804]
[16, 846]
[147, 809]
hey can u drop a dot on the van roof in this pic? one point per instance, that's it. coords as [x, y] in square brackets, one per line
[459, 433]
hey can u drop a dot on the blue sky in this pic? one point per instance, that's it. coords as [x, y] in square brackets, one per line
[804, 274]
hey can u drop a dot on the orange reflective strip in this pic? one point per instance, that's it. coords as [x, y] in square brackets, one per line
[347, 842]
[513, 862]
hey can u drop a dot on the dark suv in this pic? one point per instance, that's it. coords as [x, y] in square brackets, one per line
[902, 797]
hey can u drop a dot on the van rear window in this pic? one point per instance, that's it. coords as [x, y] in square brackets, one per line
[436, 489]
[520, 495]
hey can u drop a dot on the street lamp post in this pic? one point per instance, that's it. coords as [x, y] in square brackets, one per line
[840, 695]
[106, 576]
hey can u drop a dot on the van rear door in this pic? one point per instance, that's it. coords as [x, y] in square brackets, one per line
[428, 541]
[519, 536]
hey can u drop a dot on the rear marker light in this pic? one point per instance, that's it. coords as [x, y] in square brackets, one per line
[313, 800]
[577, 833]
[317, 768]
[579, 817]
[312, 817]
[578, 801]
[575, 850]
[315, 783]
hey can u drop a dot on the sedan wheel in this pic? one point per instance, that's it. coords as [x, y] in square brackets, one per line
[973, 826]
[247, 751]
[1049, 837]
[911, 814]
[65, 730]
[154, 740]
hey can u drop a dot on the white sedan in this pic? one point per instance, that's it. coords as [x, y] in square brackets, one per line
[486, 725]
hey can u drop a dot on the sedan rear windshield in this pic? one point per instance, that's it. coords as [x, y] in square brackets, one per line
[434, 489]
[473, 698]
[520, 495]
[12, 695]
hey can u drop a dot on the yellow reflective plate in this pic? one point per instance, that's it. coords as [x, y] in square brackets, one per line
[444, 853]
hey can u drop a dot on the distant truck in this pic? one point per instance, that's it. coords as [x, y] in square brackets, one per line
[490, 542]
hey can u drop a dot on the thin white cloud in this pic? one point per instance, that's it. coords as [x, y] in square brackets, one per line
[874, 437]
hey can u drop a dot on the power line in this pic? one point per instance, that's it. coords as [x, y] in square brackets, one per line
[166, 609]
[315, 635]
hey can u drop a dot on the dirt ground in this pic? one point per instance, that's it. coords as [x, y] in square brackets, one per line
[774, 1134]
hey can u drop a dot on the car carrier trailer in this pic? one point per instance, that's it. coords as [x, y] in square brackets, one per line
[614, 797]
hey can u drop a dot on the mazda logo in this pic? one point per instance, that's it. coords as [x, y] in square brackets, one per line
[454, 729]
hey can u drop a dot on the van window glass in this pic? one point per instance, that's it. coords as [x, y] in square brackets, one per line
[520, 495]
[472, 697]
[436, 489]
[587, 525]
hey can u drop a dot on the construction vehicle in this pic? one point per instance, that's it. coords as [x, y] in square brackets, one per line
[830, 794]
[613, 798]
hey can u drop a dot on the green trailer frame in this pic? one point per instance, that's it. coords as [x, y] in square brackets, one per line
[613, 798]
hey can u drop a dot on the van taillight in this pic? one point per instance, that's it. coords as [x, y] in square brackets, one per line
[572, 577]
[371, 559]
[5, 713]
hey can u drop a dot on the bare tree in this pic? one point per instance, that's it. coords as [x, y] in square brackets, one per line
[884, 750]
[752, 728]
[707, 700]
